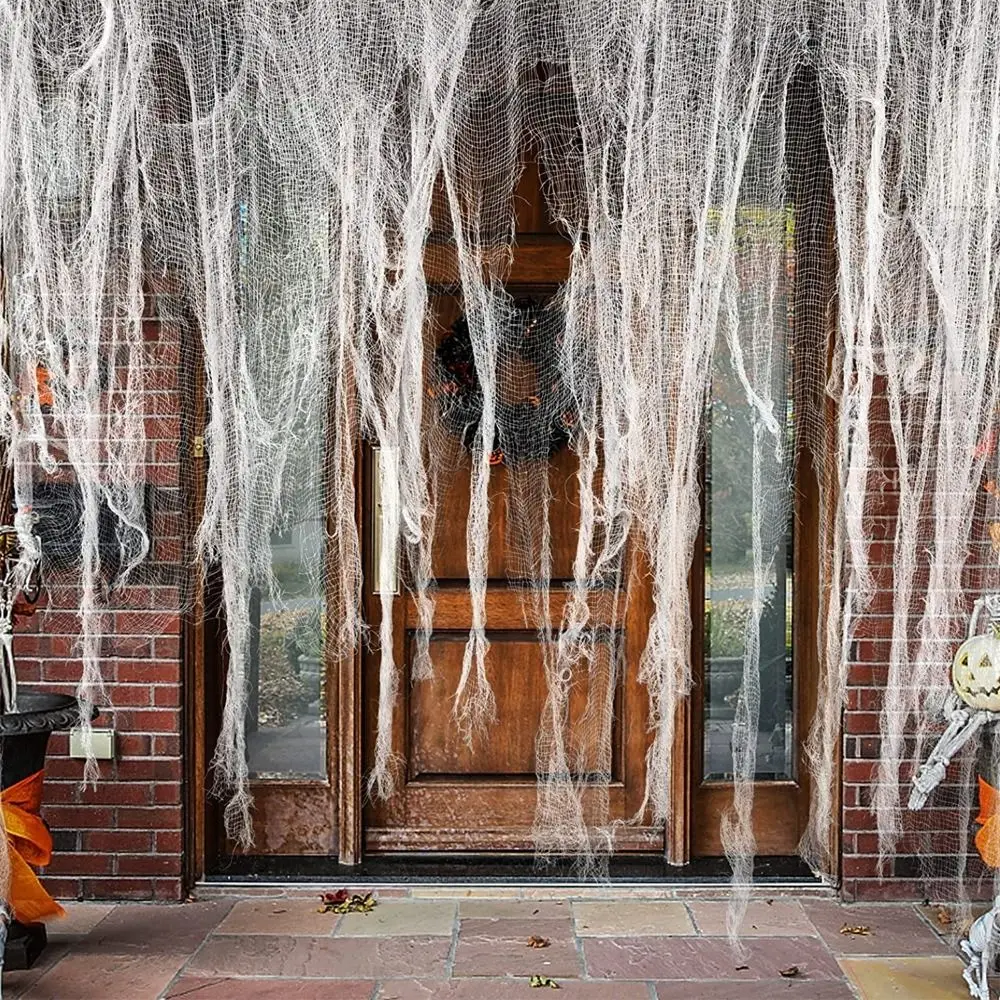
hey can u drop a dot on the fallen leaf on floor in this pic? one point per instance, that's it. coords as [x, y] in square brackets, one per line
[538, 942]
[342, 901]
[279, 911]
[943, 916]
[856, 930]
[538, 982]
[790, 973]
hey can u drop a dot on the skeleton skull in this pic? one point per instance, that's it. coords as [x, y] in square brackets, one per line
[975, 672]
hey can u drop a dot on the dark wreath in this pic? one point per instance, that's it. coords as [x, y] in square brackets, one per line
[536, 414]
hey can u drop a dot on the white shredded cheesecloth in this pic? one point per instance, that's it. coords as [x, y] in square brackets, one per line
[796, 201]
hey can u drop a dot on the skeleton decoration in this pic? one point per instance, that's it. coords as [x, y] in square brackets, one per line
[979, 948]
[20, 551]
[20, 580]
[973, 702]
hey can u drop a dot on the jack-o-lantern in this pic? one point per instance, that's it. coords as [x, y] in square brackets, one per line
[975, 672]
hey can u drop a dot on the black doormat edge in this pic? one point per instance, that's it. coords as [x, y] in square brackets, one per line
[410, 869]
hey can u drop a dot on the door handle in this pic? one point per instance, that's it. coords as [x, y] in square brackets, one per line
[386, 581]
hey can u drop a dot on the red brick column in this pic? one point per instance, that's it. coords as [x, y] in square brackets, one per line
[123, 837]
[926, 863]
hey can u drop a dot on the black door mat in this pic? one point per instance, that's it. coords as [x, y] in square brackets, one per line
[499, 869]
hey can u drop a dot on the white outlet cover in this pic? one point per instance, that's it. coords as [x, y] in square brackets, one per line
[103, 743]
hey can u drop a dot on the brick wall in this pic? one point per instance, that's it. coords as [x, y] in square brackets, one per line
[123, 837]
[936, 849]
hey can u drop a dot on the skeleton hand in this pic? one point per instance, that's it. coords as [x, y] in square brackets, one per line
[930, 775]
[962, 726]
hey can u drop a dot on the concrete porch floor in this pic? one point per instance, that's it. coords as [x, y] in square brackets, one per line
[472, 944]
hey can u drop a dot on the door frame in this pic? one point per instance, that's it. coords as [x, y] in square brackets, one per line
[341, 795]
[344, 789]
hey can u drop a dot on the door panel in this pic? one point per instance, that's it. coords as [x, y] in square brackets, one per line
[449, 550]
[481, 797]
[515, 666]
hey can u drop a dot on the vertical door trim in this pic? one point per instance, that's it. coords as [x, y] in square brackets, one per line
[344, 696]
[198, 828]
[677, 836]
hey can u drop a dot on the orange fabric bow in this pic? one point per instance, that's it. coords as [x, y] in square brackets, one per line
[29, 843]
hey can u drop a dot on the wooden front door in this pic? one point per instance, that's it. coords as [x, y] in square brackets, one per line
[481, 796]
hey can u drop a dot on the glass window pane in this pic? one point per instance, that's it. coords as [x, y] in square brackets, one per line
[729, 573]
[286, 713]
[286, 710]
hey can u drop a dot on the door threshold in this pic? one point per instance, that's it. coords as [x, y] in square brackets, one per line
[407, 870]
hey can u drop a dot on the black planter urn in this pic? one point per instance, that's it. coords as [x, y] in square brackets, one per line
[24, 734]
[24, 739]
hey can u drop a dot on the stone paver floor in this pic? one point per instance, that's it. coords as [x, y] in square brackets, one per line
[474, 945]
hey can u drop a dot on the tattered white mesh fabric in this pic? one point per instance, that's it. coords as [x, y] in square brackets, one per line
[910, 100]
[725, 173]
